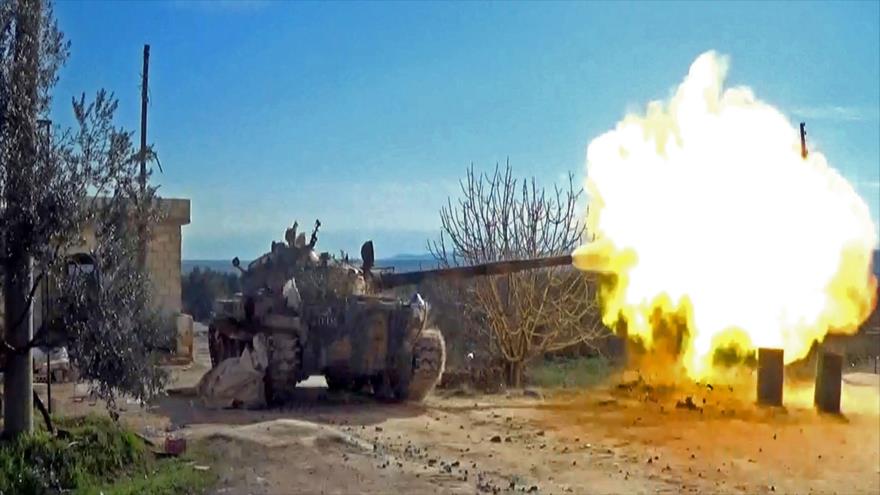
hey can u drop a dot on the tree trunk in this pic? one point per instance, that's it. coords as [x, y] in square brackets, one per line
[47, 418]
[514, 373]
[18, 414]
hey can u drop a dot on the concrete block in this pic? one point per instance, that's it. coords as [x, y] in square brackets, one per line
[770, 376]
[829, 373]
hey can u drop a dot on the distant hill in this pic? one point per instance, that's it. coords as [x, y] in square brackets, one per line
[419, 257]
[187, 266]
[408, 262]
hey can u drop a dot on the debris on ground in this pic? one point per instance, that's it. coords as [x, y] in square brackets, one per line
[532, 393]
[173, 446]
[237, 382]
[688, 403]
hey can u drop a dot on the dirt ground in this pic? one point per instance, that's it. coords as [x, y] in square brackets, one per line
[625, 437]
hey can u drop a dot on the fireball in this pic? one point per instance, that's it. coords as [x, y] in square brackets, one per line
[710, 219]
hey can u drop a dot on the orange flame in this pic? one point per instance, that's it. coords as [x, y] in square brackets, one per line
[705, 210]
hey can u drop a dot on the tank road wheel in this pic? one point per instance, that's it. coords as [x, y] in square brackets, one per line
[428, 360]
[285, 362]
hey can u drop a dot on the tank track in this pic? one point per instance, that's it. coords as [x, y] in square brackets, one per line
[285, 366]
[429, 359]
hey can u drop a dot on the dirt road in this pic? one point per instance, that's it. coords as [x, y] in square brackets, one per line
[626, 437]
[602, 443]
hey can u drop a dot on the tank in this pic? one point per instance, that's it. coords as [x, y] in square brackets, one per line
[321, 315]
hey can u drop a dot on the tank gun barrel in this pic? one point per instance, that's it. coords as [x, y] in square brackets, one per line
[390, 280]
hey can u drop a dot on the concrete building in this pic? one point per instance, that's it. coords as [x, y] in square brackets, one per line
[163, 258]
[164, 254]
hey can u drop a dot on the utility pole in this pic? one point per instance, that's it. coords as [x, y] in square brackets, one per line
[803, 140]
[142, 206]
[18, 416]
[145, 81]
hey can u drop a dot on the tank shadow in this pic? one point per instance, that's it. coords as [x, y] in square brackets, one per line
[315, 404]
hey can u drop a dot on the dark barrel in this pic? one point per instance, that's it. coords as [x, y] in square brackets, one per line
[389, 280]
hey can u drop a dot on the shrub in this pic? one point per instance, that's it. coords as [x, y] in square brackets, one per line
[562, 373]
[98, 456]
[97, 450]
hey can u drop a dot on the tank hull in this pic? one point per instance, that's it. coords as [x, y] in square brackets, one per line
[358, 343]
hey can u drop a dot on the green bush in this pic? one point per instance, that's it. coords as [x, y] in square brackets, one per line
[166, 477]
[565, 373]
[98, 456]
[199, 289]
[96, 450]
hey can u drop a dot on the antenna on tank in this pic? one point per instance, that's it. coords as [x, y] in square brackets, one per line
[804, 140]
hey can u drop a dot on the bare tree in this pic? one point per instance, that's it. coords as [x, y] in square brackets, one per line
[527, 314]
[55, 188]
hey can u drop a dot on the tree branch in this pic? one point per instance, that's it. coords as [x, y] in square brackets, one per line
[42, 408]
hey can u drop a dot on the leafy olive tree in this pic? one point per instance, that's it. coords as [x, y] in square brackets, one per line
[64, 191]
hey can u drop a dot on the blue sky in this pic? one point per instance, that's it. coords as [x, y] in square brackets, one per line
[366, 114]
